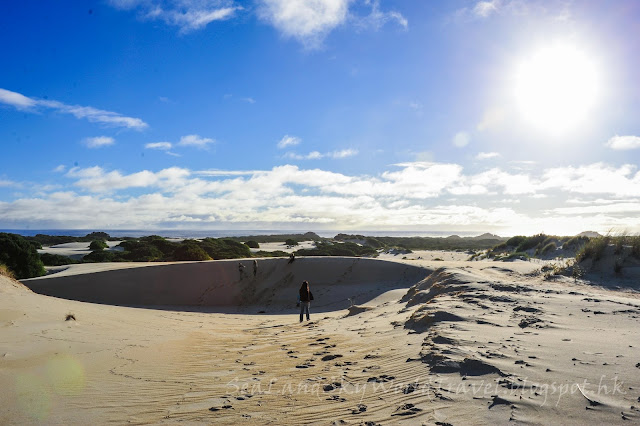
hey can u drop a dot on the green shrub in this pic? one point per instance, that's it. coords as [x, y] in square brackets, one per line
[338, 249]
[100, 256]
[276, 253]
[20, 256]
[252, 244]
[190, 250]
[531, 242]
[218, 248]
[144, 253]
[6, 272]
[594, 249]
[291, 242]
[56, 260]
[549, 248]
[515, 241]
[575, 243]
[98, 245]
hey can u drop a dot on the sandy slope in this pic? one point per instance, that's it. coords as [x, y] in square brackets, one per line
[450, 342]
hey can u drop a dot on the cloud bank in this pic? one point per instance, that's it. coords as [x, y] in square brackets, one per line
[89, 113]
[416, 195]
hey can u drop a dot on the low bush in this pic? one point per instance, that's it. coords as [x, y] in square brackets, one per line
[98, 245]
[338, 249]
[56, 260]
[276, 253]
[6, 272]
[252, 244]
[190, 250]
[100, 256]
[515, 241]
[531, 242]
[20, 256]
[594, 249]
[575, 243]
[550, 247]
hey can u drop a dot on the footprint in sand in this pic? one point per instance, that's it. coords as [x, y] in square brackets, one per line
[332, 386]
[406, 410]
[331, 357]
[383, 378]
[224, 407]
[360, 408]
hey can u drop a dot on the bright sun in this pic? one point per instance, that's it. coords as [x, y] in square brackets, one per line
[556, 87]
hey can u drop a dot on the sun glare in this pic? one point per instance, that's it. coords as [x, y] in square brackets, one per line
[556, 87]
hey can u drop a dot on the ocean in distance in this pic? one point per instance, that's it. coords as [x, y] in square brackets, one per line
[172, 233]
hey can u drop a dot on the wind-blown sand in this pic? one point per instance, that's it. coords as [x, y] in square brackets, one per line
[431, 342]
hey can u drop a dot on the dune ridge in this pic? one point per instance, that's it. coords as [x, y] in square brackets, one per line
[456, 343]
[336, 282]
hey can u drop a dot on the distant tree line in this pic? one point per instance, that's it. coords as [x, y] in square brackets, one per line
[453, 242]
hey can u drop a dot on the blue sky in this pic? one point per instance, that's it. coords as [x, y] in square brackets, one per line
[508, 116]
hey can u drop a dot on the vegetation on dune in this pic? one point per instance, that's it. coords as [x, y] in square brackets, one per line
[324, 248]
[276, 253]
[252, 244]
[20, 256]
[51, 240]
[224, 248]
[154, 248]
[49, 259]
[539, 245]
[100, 256]
[5, 272]
[278, 238]
[425, 243]
[594, 249]
[602, 253]
[98, 245]
[290, 242]
[190, 250]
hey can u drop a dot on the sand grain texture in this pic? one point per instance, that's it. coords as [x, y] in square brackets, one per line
[430, 342]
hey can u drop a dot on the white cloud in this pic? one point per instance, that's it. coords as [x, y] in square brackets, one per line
[289, 141]
[461, 139]
[16, 100]
[163, 146]
[60, 169]
[195, 140]
[99, 141]
[306, 20]
[484, 9]
[598, 178]
[344, 153]
[92, 114]
[6, 183]
[188, 15]
[377, 18]
[316, 155]
[623, 142]
[410, 195]
[487, 155]
[249, 100]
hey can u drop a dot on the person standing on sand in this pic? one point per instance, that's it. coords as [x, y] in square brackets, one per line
[255, 267]
[241, 269]
[305, 299]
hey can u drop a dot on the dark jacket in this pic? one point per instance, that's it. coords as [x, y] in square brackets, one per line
[305, 296]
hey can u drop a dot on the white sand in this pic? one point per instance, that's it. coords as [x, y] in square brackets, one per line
[284, 247]
[75, 251]
[430, 341]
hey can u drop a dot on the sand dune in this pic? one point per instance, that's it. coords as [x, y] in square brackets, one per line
[427, 343]
[222, 284]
